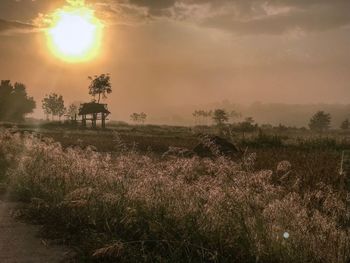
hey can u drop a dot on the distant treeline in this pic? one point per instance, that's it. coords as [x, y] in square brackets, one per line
[292, 115]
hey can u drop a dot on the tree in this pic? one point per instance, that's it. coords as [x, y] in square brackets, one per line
[135, 117]
[138, 117]
[345, 125]
[320, 121]
[220, 117]
[73, 110]
[14, 101]
[53, 104]
[61, 110]
[195, 114]
[100, 85]
[247, 125]
[143, 117]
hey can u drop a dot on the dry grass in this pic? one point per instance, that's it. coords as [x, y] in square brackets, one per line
[133, 207]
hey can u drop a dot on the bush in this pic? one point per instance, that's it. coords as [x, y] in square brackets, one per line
[264, 141]
[136, 208]
[319, 143]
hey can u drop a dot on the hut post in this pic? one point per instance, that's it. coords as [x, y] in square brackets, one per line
[83, 121]
[103, 120]
[94, 118]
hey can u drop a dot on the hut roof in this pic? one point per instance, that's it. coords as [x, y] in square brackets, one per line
[92, 107]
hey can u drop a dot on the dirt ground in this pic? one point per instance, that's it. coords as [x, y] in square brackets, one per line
[19, 242]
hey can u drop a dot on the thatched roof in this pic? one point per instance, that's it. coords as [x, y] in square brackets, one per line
[92, 107]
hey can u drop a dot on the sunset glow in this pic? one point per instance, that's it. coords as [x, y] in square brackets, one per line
[75, 34]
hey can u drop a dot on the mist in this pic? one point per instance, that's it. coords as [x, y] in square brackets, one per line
[167, 66]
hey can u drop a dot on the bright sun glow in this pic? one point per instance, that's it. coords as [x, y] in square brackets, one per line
[75, 34]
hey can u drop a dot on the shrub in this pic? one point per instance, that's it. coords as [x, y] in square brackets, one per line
[134, 208]
[264, 141]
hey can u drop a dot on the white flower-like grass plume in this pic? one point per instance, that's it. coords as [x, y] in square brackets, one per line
[202, 208]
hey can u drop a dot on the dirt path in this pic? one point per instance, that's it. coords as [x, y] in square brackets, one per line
[19, 242]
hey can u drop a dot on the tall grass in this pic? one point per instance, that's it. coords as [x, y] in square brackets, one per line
[131, 207]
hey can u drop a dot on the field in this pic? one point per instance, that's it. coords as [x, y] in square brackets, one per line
[114, 198]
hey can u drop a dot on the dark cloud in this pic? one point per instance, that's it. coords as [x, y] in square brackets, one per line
[253, 16]
[318, 18]
[9, 26]
[277, 19]
[245, 17]
[236, 16]
[157, 4]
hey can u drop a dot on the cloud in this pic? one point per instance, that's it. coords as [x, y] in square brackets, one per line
[122, 13]
[270, 18]
[8, 27]
[240, 17]
[247, 16]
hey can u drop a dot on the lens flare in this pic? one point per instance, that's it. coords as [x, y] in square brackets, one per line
[74, 34]
[286, 235]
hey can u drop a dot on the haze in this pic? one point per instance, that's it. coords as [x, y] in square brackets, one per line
[167, 57]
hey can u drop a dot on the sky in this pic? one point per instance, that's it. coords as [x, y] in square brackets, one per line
[168, 55]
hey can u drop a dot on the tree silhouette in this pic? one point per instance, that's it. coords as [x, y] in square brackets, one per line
[138, 117]
[195, 114]
[100, 85]
[320, 121]
[134, 117]
[14, 101]
[220, 117]
[143, 117]
[53, 104]
[247, 126]
[73, 110]
[345, 125]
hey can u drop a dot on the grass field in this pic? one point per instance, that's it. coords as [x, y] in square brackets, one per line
[119, 201]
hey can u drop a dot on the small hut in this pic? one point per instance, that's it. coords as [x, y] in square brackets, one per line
[93, 111]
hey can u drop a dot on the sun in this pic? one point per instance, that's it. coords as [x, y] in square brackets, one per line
[74, 34]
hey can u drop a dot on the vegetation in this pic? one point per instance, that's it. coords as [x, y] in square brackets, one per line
[132, 207]
[114, 196]
[53, 104]
[73, 111]
[247, 126]
[14, 101]
[138, 117]
[345, 125]
[100, 85]
[202, 116]
[220, 117]
[321, 121]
